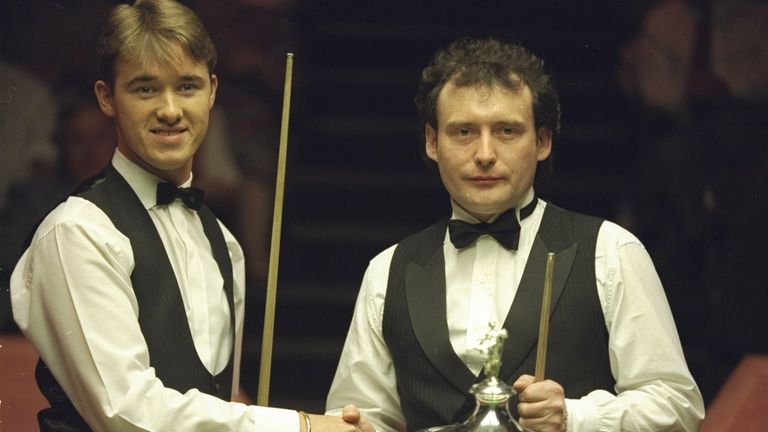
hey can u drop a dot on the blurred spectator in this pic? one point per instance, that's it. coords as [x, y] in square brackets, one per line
[41, 51]
[27, 119]
[86, 139]
[656, 70]
[86, 142]
[700, 71]
[740, 48]
[216, 168]
[243, 198]
[240, 152]
[656, 62]
[49, 37]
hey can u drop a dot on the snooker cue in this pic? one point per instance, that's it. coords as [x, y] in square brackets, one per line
[546, 300]
[262, 397]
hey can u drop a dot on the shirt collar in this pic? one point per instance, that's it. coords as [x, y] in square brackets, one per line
[143, 183]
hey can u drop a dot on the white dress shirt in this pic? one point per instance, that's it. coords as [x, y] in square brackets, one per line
[72, 298]
[655, 390]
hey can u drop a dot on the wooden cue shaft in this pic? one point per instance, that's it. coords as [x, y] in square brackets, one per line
[546, 300]
[262, 397]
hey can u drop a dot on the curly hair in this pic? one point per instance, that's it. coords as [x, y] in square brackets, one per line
[470, 61]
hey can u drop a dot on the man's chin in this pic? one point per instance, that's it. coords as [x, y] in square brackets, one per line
[484, 211]
[171, 161]
[163, 167]
[491, 206]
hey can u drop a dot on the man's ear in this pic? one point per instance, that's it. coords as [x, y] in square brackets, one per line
[104, 96]
[430, 142]
[543, 144]
[214, 86]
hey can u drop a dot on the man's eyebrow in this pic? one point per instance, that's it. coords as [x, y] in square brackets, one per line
[141, 79]
[191, 77]
[459, 123]
[512, 122]
[508, 122]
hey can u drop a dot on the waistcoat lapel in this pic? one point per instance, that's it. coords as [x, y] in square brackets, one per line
[526, 307]
[425, 293]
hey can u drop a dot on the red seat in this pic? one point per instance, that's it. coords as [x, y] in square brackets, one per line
[20, 400]
[742, 403]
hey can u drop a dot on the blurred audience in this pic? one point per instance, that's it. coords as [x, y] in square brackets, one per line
[253, 37]
[41, 52]
[28, 112]
[85, 142]
[699, 72]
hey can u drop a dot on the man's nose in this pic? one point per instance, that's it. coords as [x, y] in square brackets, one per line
[485, 153]
[169, 111]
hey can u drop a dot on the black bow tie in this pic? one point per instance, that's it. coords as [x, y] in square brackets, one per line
[191, 196]
[505, 229]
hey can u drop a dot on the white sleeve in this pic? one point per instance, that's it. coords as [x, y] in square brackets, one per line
[72, 298]
[365, 376]
[655, 390]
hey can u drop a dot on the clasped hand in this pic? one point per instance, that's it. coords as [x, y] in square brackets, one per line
[350, 421]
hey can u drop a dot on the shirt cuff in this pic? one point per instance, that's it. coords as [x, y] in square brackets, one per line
[582, 415]
[274, 419]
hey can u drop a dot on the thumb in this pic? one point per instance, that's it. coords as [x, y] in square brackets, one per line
[523, 382]
[350, 414]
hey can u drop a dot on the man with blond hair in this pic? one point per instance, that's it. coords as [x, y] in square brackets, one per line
[132, 291]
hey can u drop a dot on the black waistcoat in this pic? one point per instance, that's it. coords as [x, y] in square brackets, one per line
[433, 382]
[162, 318]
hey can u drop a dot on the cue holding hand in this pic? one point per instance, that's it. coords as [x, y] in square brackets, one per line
[541, 404]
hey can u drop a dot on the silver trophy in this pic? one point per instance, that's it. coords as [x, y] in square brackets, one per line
[492, 395]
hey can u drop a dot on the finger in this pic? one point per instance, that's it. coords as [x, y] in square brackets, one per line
[531, 410]
[524, 381]
[350, 414]
[365, 425]
[548, 423]
[548, 414]
[532, 424]
[542, 390]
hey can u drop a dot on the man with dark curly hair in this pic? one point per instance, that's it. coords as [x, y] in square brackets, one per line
[615, 363]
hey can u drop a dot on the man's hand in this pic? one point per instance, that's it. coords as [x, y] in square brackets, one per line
[350, 421]
[352, 415]
[541, 404]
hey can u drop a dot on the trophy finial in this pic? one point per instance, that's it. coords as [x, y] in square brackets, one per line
[493, 343]
[491, 412]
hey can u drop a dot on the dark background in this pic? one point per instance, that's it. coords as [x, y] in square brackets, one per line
[690, 184]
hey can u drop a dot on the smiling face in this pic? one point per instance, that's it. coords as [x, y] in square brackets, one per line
[160, 113]
[486, 146]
